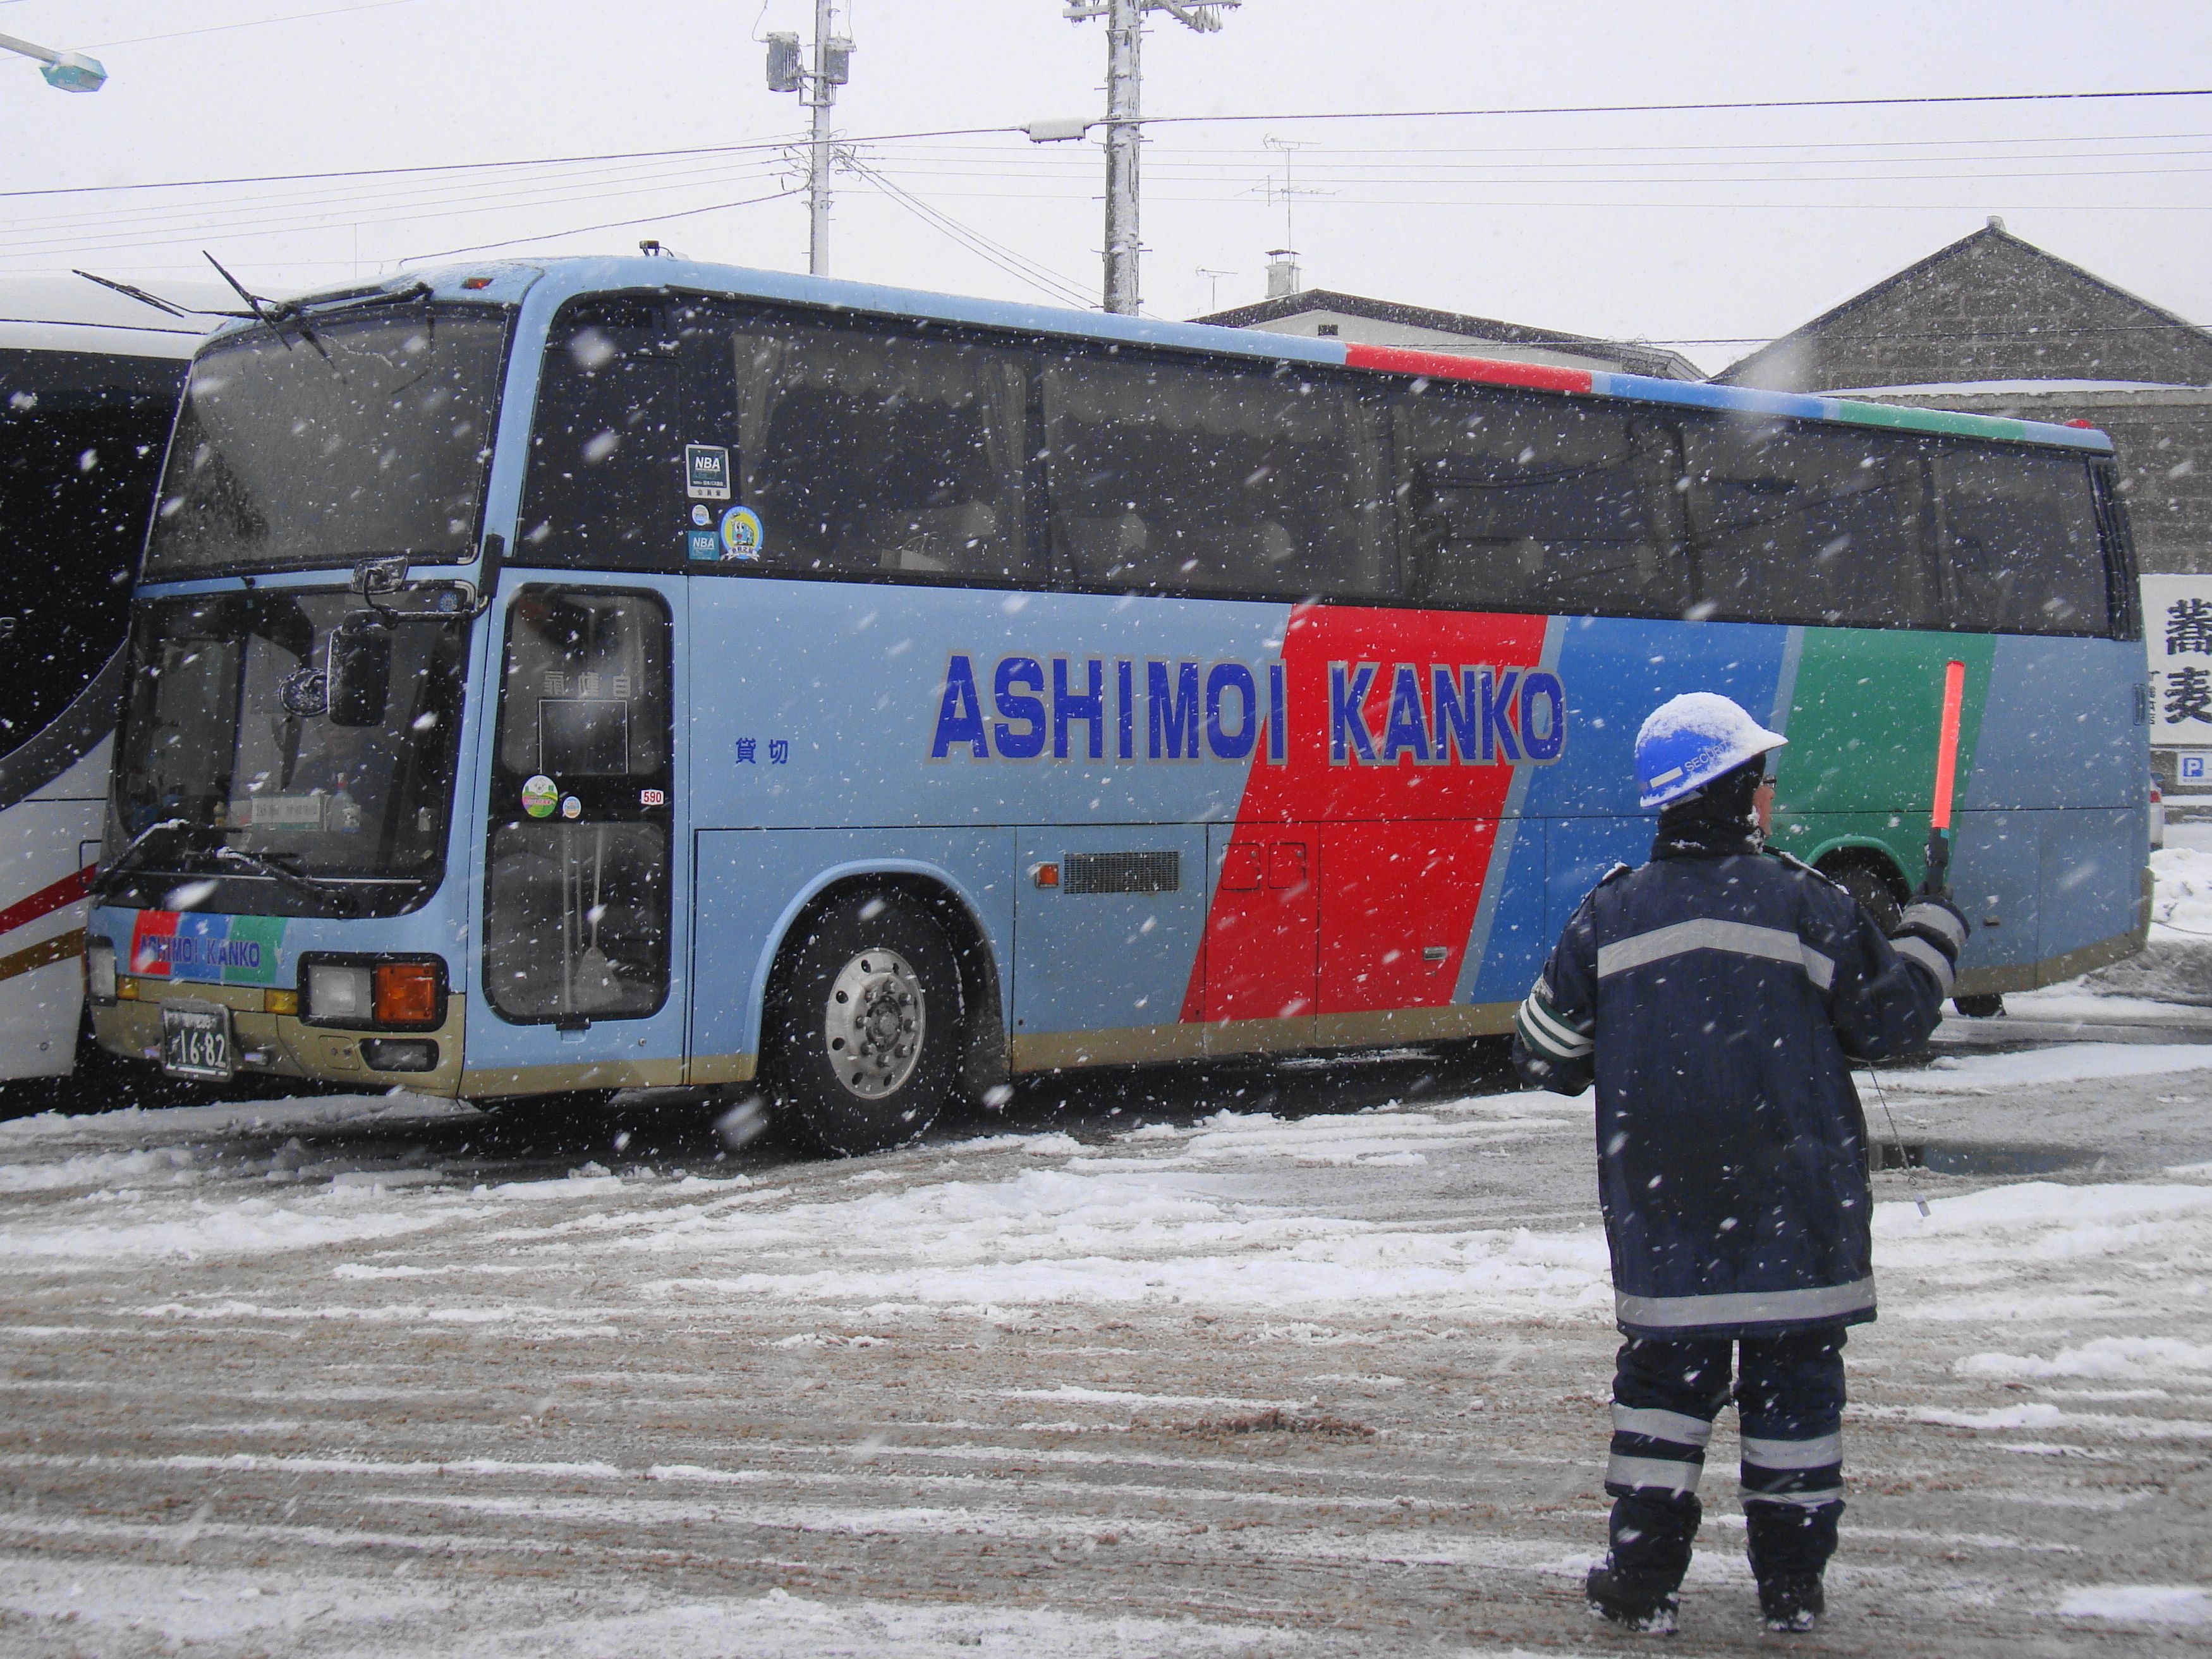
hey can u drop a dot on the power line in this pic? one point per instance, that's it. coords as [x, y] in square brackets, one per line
[252, 23]
[1672, 109]
[1045, 281]
[1164, 120]
[585, 230]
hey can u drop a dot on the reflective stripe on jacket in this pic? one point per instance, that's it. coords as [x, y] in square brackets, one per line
[1718, 1001]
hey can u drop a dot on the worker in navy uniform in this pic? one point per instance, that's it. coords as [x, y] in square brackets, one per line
[1717, 997]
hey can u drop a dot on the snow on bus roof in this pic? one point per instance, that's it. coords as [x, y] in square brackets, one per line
[549, 281]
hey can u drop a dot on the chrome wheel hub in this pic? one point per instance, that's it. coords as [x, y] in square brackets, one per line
[874, 1024]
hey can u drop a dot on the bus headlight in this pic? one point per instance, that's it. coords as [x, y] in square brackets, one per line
[404, 993]
[100, 971]
[337, 993]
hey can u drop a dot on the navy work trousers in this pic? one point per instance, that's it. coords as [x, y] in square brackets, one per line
[1788, 1392]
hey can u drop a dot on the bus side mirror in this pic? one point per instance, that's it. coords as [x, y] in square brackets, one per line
[359, 669]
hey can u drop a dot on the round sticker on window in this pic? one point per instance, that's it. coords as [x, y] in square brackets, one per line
[700, 515]
[741, 534]
[571, 808]
[540, 795]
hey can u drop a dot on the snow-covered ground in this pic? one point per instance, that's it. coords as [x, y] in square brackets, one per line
[376, 1375]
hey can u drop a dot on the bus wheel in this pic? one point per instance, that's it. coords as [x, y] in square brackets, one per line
[1867, 884]
[866, 1031]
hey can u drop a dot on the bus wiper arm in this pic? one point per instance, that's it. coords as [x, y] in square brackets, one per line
[272, 313]
[129, 857]
[255, 864]
[155, 300]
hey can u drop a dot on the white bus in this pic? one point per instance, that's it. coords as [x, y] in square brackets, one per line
[89, 385]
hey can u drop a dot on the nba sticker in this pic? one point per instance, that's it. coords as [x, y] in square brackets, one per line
[741, 533]
[706, 472]
[703, 543]
[540, 796]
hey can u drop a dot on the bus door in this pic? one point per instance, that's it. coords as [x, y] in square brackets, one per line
[585, 903]
[1263, 934]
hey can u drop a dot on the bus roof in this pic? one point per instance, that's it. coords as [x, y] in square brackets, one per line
[552, 280]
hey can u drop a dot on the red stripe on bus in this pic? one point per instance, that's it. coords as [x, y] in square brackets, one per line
[1437, 365]
[1339, 879]
[47, 900]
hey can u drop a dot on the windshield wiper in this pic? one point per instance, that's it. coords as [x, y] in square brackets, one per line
[129, 857]
[258, 865]
[155, 300]
[273, 313]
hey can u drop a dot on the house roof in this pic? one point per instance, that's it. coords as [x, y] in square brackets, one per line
[1635, 359]
[1993, 236]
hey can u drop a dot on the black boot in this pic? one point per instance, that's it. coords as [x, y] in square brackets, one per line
[1791, 1601]
[1630, 1600]
[1635, 1585]
[1790, 1547]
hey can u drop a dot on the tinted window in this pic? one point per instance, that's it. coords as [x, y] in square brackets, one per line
[869, 453]
[372, 440]
[81, 441]
[2020, 544]
[606, 450]
[1169, 478]
[576, 886]
[1808, 524]
[1537, 504]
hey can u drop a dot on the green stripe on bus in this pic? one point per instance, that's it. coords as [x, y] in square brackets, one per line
[1932, 420]
[1863, 715]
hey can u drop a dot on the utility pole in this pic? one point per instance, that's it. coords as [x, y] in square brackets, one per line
[1125, 26]
[818, 91]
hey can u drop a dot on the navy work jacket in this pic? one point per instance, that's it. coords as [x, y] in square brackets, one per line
[1718, 1001]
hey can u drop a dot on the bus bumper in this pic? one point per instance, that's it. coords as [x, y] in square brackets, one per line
[280, 1044]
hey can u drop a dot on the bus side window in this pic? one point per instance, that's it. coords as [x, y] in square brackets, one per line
[2020, 546]
[606, 487]
[576, 885]
[1792, 522]
[874, 453]
[1537, 504]
[1168, 478]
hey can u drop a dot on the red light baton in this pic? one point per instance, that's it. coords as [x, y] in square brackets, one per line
[1946, 769]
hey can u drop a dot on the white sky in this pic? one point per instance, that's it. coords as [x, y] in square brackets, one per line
[1676, 227]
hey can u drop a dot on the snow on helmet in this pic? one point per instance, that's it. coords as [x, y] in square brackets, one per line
[1690, 740]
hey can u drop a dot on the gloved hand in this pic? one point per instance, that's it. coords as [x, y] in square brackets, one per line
[1930, 934]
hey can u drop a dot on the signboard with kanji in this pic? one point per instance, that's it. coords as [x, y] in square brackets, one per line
[2177, 635]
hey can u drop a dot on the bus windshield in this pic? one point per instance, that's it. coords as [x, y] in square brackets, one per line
[362, 436]
[230, 746]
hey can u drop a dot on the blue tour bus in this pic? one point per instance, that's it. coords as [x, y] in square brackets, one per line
[618, 674]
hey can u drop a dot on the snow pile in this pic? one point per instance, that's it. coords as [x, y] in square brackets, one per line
[2070, 1062]
[2181, 901]
[2150, 1604]
[1124, 1233]
[2107, 1358]
[251, 1226]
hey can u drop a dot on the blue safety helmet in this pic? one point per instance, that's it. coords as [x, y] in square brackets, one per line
[1690, 740]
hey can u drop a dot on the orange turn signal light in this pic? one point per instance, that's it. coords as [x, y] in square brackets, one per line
[1048, 875]
[406, 993]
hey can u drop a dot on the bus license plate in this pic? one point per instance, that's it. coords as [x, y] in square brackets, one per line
[195, 1041]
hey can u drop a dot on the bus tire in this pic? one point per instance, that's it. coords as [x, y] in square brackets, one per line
[1871, 887]
[865, 1046]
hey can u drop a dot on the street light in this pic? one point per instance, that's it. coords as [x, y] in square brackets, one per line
[71, 72]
